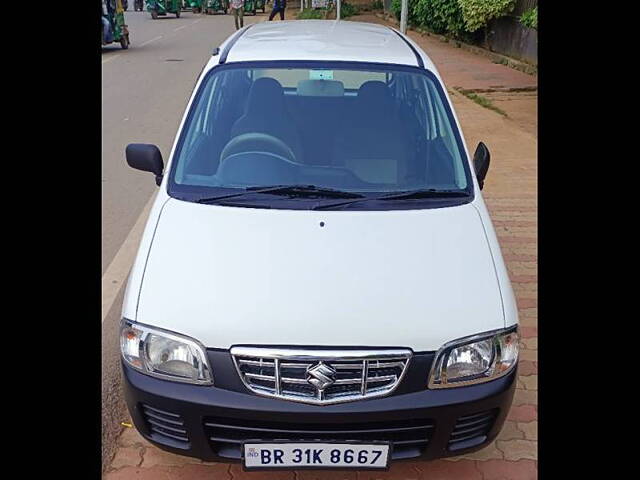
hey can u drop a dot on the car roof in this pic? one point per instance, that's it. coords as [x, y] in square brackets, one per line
[328, 40]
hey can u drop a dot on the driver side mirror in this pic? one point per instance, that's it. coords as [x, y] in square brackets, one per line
[145, 157]
[481, 160]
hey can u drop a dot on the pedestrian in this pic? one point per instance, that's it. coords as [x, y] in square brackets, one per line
[278, 6]
[238, 11]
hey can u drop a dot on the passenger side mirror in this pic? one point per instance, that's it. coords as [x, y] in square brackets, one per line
[481, 160]
[145, 157]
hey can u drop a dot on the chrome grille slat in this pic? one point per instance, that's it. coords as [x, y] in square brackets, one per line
[295, 365]
[321, 376]
[365, 377]
[349, 381]
[261, 362]
[278, 381]
[384, 378]
[300, 381]
[260, 377]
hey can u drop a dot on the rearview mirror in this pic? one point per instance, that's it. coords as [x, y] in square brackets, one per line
[145, 157]
[481, 160]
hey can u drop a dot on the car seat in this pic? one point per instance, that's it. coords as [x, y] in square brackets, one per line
[267, 113]
[372, 141]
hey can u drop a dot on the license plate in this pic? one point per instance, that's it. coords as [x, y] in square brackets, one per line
[316, 455]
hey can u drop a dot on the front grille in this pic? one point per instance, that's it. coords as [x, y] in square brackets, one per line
[471, 430]
[320, 376]
[409, 437]
[165, 427]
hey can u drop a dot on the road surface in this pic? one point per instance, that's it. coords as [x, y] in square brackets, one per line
[145, 90]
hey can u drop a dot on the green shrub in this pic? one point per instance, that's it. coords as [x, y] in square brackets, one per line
[377, 5]
[347, 10]
[478, 13]
[440, 16]
[395, 8]
[311, 14]
[461, 19]
[530, 18]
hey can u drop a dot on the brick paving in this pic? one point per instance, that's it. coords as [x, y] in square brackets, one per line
[511, 195]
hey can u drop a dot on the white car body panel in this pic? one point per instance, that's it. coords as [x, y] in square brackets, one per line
[402, 278]
[312, 40]
[228, 276]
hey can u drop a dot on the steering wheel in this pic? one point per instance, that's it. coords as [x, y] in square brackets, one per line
[257, 142]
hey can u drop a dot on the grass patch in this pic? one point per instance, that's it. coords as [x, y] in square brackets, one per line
[482, 101]
[311, 14]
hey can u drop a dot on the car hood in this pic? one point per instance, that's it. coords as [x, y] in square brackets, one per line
[405, 278]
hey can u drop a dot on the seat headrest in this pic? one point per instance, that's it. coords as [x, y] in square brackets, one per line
[320, 88]
[266, 94]
[375, 96]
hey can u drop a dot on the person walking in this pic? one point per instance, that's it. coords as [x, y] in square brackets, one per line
[278, 7]
[238, 11]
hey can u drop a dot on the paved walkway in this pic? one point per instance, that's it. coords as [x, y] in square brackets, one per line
[511, 195]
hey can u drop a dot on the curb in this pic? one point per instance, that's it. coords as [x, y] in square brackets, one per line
[531, 88]
[495, 57]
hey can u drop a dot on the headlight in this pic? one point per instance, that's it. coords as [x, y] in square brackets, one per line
[164, 354]
[475, 359]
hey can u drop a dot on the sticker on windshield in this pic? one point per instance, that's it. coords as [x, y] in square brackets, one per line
[320, 74]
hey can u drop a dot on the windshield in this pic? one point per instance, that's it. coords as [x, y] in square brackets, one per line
[353, 128]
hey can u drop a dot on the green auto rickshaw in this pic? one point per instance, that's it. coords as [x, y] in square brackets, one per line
[250, 7]
[191, 5]
[216, 6]
[260, 5]
[162, 7]
[113, 27]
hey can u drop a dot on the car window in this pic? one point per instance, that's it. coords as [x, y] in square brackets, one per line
[364, 129]
[442, 129]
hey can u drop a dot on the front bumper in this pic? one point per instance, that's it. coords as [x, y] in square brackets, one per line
[210, 423]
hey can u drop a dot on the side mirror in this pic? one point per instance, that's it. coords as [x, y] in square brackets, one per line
[145, 157]
[481, 160]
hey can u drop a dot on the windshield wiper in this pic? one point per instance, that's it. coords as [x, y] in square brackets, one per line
[292, 190]
[410, 194]
[425, 193]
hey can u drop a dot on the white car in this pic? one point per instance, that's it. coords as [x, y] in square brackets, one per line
[319, 282]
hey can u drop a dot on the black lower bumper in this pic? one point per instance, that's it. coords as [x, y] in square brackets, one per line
[212, 423]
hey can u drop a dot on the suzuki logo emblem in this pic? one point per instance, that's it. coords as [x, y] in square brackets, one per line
[321, 376]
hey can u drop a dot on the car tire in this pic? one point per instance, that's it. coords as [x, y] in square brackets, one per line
[154, 14]
[124, 42]
[178, 13]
